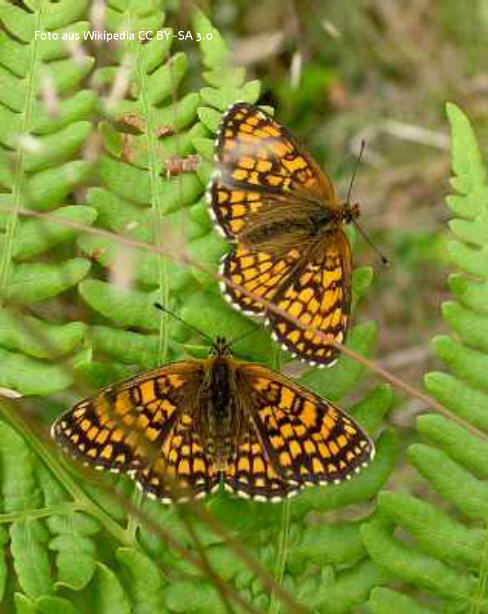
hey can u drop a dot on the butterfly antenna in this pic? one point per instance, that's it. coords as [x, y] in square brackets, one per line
[355, 169]
[384, 259]
[187, 324]
[254, 330]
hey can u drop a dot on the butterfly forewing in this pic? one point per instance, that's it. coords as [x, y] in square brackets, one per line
[305, 439]
[170, 431]
[255, 150]
[256, 159]
[139, 426]
[271, 199]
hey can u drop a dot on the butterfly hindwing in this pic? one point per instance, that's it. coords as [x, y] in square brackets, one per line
[260, 273]
[307, 439]
[318, 295]
[250, 473]
[182, 469]
[313, 289]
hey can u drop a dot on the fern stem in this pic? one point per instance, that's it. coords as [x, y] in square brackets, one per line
[41, 447]
[282, 553]
[479, 601]
[11, 225]
[61, 509]
[156, 199]
[132, 521]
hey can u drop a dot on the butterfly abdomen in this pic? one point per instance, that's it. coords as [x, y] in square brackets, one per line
[219, 412]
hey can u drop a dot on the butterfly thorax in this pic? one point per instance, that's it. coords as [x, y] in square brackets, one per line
[295, 223]
[218, 422]
[350, 212]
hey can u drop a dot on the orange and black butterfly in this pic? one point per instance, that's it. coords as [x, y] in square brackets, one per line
[278, 208]
[186, 427]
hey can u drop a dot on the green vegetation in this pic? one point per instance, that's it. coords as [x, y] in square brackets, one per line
[91, 136]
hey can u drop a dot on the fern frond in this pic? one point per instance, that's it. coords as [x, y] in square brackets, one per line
[444, 560]
[86, 552]
[43, 112]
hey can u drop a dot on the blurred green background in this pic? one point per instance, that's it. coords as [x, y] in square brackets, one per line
[338, 72]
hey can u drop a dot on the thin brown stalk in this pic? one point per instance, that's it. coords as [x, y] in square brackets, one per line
[183, 258]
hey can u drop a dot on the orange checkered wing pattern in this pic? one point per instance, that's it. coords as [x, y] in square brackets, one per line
[258, 162]
[251, 474]
[139, 427]
[313, 287]
[296, 439]
[183, 470]
[318, 294]
[260, 273]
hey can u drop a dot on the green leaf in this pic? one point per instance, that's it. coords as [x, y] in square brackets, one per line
[372, 409]
[350, 588]
[466, 157]
[421, 570]
[51, 186]
[334, 382]
[55, 605]
[124, 307]
[27, 537]
[385, 601]
[24, 605]
[368, 482]
[127, 346]
[435, 532]
[337, 544]
[204, 598]
[214, 49]
[30, 376]
[31, 562]
[75, 560]
[36, 282]
[465, 401]
[467, 364]
[457, 442]
[37, 338]
[457, 485]
[108, 594]
[17, 484]
[37, 236]
[56, 148]
[145, 583]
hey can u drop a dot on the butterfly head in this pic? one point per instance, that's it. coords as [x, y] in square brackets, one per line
[350, 212]
[220, 347]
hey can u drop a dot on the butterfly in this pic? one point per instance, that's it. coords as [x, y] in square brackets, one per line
[183, 429]
[277, 207]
